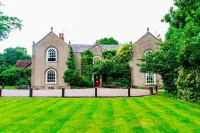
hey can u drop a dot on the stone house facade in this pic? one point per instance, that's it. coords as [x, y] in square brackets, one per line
[51, 53]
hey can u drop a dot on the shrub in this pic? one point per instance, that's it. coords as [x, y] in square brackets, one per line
[72, 76]
[23, 83]
[109, 54]
[10, 75]
[188, 85]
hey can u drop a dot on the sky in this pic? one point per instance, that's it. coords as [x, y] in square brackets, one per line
[85, 21]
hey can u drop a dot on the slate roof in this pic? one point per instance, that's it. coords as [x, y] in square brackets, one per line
[23, 63]
[83, 47]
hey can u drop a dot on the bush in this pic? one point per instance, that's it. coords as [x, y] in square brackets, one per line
[10, 75]
[72, 76]
[109, 54]
[23, 83]
[188, 85]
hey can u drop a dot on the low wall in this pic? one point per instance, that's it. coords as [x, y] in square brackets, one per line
[80, 93]
[112, 92]
[47, 93]
[101, 92]
[14, 93]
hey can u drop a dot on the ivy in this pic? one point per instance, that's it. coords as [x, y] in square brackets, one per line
[71, 60]
[116, 70]
[86, 63]
[108, 54]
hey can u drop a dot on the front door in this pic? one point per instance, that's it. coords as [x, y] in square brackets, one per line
[97, 81]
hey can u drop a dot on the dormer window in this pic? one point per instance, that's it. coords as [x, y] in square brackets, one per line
[51, 55]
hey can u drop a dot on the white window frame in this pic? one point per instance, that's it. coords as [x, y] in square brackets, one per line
[47, 54]
[46, 77]
[96, 57]
[147, 74]
[154, 81]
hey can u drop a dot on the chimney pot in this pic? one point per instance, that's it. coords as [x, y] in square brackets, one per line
[61, 35]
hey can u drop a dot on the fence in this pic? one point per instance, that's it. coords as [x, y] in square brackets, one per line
[77, 93]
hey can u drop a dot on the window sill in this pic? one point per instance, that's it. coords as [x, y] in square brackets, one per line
[51, 84]
[51, 62]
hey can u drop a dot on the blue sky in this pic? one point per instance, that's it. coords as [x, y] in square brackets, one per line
[85, 21]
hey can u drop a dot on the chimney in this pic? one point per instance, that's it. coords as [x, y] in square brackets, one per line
[61, 35]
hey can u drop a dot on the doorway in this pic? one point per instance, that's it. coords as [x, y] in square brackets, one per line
[97, 81]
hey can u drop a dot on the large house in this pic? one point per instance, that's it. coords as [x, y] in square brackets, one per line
[51, 53]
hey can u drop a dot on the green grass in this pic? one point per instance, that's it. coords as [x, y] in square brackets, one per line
[94, 115]
[10, 87]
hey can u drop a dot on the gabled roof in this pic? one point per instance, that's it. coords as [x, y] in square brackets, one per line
[51, 32]
[83, 47]
[23, 63]
[147, 34]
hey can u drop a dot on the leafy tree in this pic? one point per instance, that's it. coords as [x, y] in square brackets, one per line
[10, 75]
[71, 60]
[86, 63]
[116, 70]
[178, 59]
[12, 55]
[2, 62]
[73, 75]
[108, 54]
[7, 24]
[108, 41]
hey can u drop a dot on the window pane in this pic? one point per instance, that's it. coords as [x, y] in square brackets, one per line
[150, 78]
[51, 55]
[51, 76]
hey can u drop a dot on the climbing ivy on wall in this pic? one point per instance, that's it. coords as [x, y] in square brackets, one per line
[73, 76]
[71, 60]
[116, 70]
[86, 63]
[108, 54]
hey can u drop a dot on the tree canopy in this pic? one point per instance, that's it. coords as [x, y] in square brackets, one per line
[7, 24]
[108, 41]
[178, 58]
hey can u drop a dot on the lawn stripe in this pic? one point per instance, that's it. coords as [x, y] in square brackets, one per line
[147, 115]
[103, 117]
[24, 117]
[182, 108]
[19, 103]
[172, 101]
[182, 115]
[107, 112]
[127, 120]
[13, 101]
[48, 117]
[66, 114]
[6, 101]
[169, 115]
[83, 118]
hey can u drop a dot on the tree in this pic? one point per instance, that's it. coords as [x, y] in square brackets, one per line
[10, 75]
[2, 62]
[7, 24]
[12, 55]
[178, 59]
[108, 41]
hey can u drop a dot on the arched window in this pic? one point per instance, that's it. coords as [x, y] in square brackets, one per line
[51, 55]
[51, 76]
[96, 58]
[147, 52]
[150, 77]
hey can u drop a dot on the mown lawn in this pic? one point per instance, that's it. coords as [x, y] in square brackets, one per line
[10, 87]
[124, 115]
